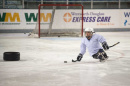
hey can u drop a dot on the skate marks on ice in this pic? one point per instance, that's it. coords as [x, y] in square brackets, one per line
[115, 55]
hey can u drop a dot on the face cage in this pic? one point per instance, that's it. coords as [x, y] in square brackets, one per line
[88, 31]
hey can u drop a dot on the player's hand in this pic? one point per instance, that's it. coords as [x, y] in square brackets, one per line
[105, 46]
[79, 57]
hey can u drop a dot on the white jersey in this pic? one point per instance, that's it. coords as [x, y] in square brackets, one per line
[93, 45]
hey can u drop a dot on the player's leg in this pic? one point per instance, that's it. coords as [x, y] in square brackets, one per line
[101, 55]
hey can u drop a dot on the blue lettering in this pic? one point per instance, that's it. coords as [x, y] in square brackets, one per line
[77, 19]
[87, 20]
[74, 19]
[90, 19]
[103, 19]
[94, 19]
[127, 14]
[84, 18]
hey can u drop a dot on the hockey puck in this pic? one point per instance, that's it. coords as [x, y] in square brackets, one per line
[11, 56]
[65, 61]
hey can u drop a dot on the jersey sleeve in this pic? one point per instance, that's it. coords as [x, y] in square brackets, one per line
[100, 38]
[83, 47]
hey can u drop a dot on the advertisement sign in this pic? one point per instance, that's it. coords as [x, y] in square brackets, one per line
[70, 19]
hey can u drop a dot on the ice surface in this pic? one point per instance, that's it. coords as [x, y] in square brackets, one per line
[42, 62]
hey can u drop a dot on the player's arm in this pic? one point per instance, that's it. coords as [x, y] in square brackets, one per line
[105, 45]
[82, 51]
[102, 40]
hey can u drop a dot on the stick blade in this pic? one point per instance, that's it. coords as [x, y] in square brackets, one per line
[74, 60]
[118, 42]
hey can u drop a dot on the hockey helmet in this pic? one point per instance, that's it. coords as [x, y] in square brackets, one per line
[89, 30]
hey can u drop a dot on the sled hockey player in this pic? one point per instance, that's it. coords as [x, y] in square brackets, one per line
[92, 41]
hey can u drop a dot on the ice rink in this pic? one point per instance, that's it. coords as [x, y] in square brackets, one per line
[42, 62]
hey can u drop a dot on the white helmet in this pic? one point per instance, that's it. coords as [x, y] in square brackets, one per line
[89, 30]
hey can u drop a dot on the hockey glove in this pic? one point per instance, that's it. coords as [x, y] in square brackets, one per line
[105, 46]
[79, 57]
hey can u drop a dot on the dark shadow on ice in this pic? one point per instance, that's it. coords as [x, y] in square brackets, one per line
[13, 61]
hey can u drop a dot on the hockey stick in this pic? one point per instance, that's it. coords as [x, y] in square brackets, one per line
[109, 47]
[114, 44]
[74, 60]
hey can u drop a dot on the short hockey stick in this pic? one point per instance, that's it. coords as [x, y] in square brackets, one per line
[114, 44]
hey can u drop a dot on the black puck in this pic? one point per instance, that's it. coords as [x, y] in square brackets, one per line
[65, 61]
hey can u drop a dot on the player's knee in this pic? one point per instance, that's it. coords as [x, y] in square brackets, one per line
[100, 54]
[95, 56]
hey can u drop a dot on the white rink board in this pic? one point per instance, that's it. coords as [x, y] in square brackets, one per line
[27, 19]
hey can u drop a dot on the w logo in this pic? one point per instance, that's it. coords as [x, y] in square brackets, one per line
[8, 17]
[67, 17]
